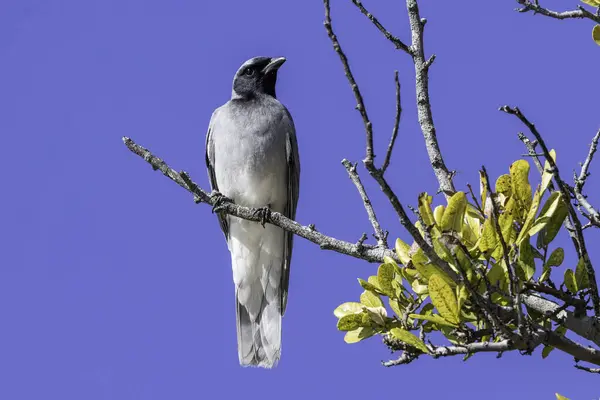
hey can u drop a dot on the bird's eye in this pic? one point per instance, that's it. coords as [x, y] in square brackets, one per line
[249, 71]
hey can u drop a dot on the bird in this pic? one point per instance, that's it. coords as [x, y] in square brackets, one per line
[252, 160]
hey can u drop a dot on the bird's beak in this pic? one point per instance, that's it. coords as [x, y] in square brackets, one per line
[273, 65]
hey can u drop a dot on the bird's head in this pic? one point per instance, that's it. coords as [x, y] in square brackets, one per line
[257, 75]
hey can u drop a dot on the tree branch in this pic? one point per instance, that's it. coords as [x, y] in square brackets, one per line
[361, 251]
[416, 51]
[590, 212]
[379, 235]
[580, 13]
[567, 196]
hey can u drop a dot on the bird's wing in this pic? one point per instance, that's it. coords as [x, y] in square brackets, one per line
[210, 166]
[293, 186]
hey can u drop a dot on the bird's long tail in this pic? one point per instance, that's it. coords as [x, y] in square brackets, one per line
[257, 260]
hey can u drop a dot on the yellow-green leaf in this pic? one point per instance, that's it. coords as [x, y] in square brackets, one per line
[488, 240]
[482, 187]
[547, 235]
[545, 275]
[438, 213]
[453, 217]
[521, 189]
[561, 397]
[402, 250]
[504, 185]
[548, 209]
[359, 334]
[410, 339]
[385, 276]
[370, 299]
[377, 314]
[462, 294]
[547, 175]
[535, 204]
[525, 260]
[596, 34]
[556, 258]
[593, 3]
[368, 286]
[570, 281]
[348, 308]
[443, 298]
[435, 318]
[425, 209]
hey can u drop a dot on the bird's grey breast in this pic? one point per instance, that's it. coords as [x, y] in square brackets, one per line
[251, 139]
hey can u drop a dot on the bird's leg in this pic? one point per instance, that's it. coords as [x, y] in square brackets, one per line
[220, 201]
[263, 213]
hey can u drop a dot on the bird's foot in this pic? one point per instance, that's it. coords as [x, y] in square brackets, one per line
[264, 213]
[220, 201]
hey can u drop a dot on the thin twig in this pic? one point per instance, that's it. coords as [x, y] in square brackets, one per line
[400, 45]
[388, 154]
[513, 290]
[360, 104]
[580, 13]
[590, 212]
[581, 247]
[379, 235]
[588, 369]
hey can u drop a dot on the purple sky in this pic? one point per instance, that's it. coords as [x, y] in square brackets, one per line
[115, 285]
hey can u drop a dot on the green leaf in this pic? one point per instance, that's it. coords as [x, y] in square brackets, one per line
[410, 339]
[488, 240]
[443, 298]
[350, 322]
[435, 318]
[378, 315]
[596, 34]
[438, 213]
[396, 306]
[463, 295]
[385, 276]
[547, 176]
[556, 258]
[547, 235]
[482, 188]
[504, 185]
[453, 217]
[359, 334]
[402, 250]
[546, 351]
[370, 299]
[561, 397]
[525, 260]
[521, 189]
[570, 281]
[581, 275]
[348, 308]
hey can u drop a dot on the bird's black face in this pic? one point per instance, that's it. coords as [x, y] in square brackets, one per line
[257, 75]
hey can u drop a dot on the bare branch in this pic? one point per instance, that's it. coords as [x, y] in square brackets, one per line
[581, 247]
[395, 41]
[362, 251]
[580, 13]
[379, 235]
[369, 162]
[388, 154]
[588, 369]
